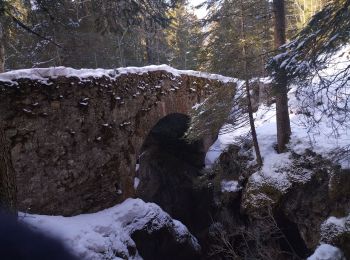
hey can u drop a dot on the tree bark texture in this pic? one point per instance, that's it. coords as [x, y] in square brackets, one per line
[2, 47]
[246, 78]
[282, 114]
[8, 190]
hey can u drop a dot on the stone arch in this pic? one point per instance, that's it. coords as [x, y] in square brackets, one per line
[75, 141]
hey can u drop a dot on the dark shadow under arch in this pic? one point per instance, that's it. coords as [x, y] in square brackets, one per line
[168, 135]
[169, 166]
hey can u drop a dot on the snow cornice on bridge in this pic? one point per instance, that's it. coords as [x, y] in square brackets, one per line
[45, 74]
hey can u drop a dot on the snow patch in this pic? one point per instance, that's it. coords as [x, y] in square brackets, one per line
[327, 252]
[136, 182]
[230, 186]
[336, 221]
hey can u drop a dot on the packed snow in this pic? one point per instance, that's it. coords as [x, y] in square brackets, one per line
[337, 221]
[43, 74]
[327, 252]
[100, 235]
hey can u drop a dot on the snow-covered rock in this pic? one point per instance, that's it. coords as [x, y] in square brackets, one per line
[327, 252]
[115, 233]
[230, 186]
[334, 230]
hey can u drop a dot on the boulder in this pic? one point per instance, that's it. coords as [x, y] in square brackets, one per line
[131, 230]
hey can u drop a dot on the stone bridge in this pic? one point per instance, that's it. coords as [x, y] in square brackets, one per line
[76, 134]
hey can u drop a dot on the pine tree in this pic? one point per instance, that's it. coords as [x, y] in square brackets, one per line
[308, 54]
[244, 47]
[222, 53]
[91, 34]
[299, 13]
[184, 38]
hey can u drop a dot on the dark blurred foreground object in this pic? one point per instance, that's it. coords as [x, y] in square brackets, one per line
[18, 242]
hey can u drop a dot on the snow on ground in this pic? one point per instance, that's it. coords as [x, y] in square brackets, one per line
[321, 141]
[99, 235]
[265, 122]
[327, 105]
[327, 252]
[43, 74]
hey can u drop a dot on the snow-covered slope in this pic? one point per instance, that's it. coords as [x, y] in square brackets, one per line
[43, 74]
[107, 234]
[328, 136]
[322, 138]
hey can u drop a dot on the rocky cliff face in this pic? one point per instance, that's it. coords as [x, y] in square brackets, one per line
[319, 190]
[75, 141]
[264, 221]
[234, 214]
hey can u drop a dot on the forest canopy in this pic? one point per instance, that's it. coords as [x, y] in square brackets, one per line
[109, 34]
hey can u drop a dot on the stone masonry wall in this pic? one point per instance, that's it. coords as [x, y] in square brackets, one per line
[75, 142]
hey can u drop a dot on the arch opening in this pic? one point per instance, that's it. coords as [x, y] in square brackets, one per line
[167, 134]
[168, 166]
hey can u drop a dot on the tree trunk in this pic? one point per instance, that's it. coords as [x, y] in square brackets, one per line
[8, 190]
[246, 78]
[2, 47]
[282, 114]
[252, 126]
[149, 42]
